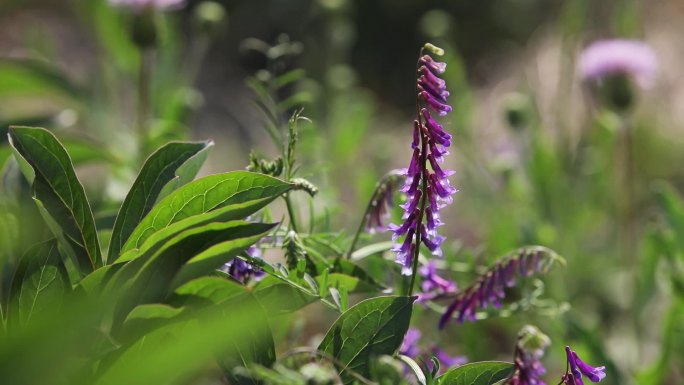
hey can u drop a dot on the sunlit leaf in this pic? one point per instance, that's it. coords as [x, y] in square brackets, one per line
[159, 169]
[373, 327]
[56, 189]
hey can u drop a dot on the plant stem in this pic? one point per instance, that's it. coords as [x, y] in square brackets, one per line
[629, 233]
[290, 212]
[144, 102]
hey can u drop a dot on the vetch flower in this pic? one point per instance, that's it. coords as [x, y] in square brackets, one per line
[489, 288]
[446, 360]
[529, 350]
[381, 201]
[606, 58]
[241, 270]
[432, 285]
[578, 368]
[409, 347]
[427, 186]
[143, 5]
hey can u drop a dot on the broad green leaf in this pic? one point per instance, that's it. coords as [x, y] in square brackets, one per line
[371, 328]
[40, 282]
[224, 214]
[56, 189]
[187, 171]
[159, 169]
[281, 298]
[205, 195]
[210, 289]
[145, 318]
[351, 284]
[149, 281]
[477, 373]
[95, 281]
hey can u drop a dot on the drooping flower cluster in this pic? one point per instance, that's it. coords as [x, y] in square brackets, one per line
[433, 286]
[410, 347]
[489, 288]
[381, 201]
[529, 350]
[142, 5]
[241, 270]
[577, 369]
[612, 57]
[427, 188]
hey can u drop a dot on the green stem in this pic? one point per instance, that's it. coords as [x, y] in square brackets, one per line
[290, 212]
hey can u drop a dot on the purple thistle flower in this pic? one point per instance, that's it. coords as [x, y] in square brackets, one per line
[241, 270]
[427, 185]
[607, 58]
[489, 289]
[578, 368]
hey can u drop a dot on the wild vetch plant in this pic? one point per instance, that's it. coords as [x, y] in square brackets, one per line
[190, 279]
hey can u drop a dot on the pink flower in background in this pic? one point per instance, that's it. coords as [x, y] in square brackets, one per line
[141, 5]
[632, 58]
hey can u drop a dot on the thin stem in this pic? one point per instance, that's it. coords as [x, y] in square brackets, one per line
[290, 212]
[629, 234]
[144, 100]
[362, 224]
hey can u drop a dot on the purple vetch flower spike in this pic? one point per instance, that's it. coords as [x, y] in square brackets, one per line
[381, 201]
[578, 368]
[529, 350]
[142, 5]
[632, 58]
[427, 186]
[489, 289]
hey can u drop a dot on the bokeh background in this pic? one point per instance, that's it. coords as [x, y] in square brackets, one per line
[538, 158]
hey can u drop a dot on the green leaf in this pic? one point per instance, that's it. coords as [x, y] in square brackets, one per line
[160, 169]
[40, 282]
[371, 328]
[224, 214]
[148, 281]
[351, 284]
[281, 298]
[212, 290]
[205, 195]
[56, 189]
[477, 373]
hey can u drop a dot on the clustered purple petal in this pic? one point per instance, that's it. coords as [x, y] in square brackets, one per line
[410, 347]
[242, 270]
[141, 5]
[578, 369]
[619, 57]
[489, 288]
[430, 143]
[433, 286]
[528, 369]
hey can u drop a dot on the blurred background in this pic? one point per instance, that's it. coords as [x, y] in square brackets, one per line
[540, 157]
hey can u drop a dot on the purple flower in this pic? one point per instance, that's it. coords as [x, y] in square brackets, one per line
[489, 288]
[427, 186]
[409, 347]
[143, 5]
[578, 369]
[382, 200]
[446, 361]
[607, 58]
[241, 270]
[433, 285]
[529, 350]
